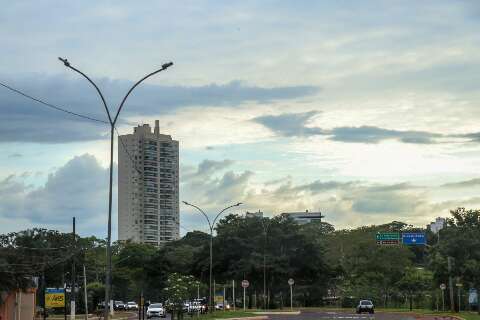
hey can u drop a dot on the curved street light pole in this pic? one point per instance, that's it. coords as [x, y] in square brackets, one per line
[112, 122]
[211, 226]
[265, 230]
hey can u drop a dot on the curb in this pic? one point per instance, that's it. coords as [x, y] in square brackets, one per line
[246, 318]
[278, 312]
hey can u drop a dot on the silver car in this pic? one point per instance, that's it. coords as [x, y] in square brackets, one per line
[156, 310]
[365, 306]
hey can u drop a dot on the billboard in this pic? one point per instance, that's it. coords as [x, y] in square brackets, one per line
[54, 298]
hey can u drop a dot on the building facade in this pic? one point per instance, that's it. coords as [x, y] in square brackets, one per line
[304, 217]
[437, 225]
[257, 214]
[148, 186]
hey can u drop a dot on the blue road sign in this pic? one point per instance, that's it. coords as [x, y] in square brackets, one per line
[54, 290]
[413, 238]
[472, 296]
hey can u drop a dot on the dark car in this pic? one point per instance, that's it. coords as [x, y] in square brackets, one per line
[365, 306]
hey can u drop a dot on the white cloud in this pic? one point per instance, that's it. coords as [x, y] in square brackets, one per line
[77, 189]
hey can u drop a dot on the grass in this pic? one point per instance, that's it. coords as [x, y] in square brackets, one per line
[118, 315]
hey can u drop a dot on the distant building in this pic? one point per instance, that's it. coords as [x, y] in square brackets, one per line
[304, 217]
[148, 187]
[258, 214]
[437, 225]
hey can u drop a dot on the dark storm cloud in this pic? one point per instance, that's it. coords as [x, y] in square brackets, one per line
[23, 120]
[290, 124]
[294, 124]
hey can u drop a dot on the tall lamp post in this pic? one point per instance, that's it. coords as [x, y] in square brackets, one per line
[265, 230]
[112, 122]
[211, 226]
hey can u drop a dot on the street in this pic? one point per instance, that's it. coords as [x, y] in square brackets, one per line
[315, 315]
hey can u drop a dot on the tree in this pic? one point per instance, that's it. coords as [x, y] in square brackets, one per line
[414, 282]
[179, 288]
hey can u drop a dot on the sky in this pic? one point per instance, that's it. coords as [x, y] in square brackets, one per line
[364, 110]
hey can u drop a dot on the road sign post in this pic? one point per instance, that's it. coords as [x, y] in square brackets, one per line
[233, 294]
[245, 285]
[443, 286]
[459, 287]
[291, 282]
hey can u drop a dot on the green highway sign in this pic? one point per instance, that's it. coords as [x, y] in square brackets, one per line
[381, 236]
[388, 238]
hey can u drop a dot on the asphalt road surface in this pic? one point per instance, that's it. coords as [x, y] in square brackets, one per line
[334, 315]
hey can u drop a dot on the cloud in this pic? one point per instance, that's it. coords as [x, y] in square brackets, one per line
[472, 137]
[290, 124]
[230, 188]
[24, 120]
[346, 203]
[370, 134]
[80, 188]
[209, 184]
[77, 189]
[206, 169]
[463, 184]
[385, 203]
[295, 124]
[320, 186]
[15, 155]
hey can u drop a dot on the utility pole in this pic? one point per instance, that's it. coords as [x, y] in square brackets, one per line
[450, 284]
[44, 287]
[73, 284]
[85, 292]
[233, 294]
[265, 230]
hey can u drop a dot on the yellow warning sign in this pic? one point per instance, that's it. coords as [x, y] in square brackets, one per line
[54, 298]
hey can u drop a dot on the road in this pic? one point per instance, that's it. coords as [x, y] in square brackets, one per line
[336, 315]
[341, 315]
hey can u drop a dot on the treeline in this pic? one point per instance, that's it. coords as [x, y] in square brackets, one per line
[335, 267]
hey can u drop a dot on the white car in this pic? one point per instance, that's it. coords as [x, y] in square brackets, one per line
[131, 305]
[156, 310]
[219, 306]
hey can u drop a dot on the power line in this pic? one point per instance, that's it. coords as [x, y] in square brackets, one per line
[51, 105]
[72, 113]
[128, 153]
[13, 247]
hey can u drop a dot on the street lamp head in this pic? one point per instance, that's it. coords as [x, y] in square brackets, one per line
[185, 202]
[238, 204]
[167, 65]
[65, 61]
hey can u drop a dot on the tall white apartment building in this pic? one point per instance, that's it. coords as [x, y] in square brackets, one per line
[148, 186]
